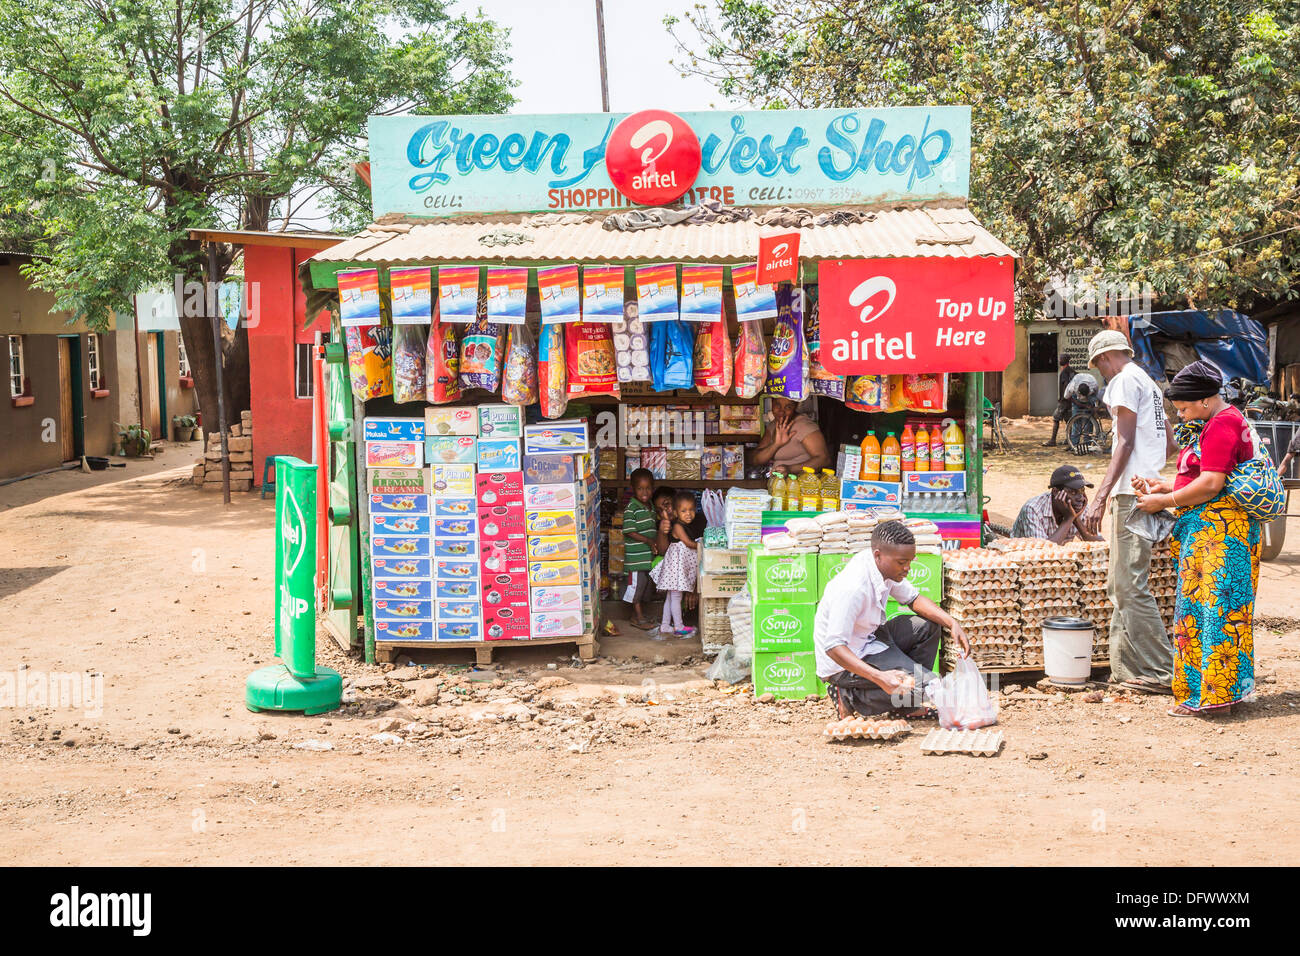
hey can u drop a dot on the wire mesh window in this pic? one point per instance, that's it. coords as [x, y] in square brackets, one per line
[92, 361]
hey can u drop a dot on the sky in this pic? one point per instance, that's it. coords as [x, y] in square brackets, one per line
[553, 45]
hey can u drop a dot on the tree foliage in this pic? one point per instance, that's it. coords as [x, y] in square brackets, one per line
[1154, 142]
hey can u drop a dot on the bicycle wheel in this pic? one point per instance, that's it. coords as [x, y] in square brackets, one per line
[1081, 433]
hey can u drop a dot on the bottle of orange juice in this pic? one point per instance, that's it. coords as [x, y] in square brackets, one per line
[891, 458]
[936, 448]
[922, 448]
[907, 449]
[871, 457]
[954, 445]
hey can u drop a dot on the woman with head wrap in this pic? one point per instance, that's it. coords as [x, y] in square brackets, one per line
[1216, 547]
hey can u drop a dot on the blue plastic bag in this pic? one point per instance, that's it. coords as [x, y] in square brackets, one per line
[672, 355]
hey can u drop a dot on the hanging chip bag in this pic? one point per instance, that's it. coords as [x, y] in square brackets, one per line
[823, 382]
[865, 393]
[442, 363]
[551, 373]
[712, 372]
[924, 391]
[409, 352]
[480, 353]
[519, 384]
[589, 351]
[787, 368]
[751, 360]
[370, 360]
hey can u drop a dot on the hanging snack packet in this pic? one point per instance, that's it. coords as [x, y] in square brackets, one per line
[672, 351]
[865, 393]
[712, 372]
[589, 350]
[786, 359]
[519, 385]
[925, 391]
[409, 348]
[480, 353]
[553, 391]
[891, 394]
[823, 382]
[751, 360]
[442, 363]
[370, 360]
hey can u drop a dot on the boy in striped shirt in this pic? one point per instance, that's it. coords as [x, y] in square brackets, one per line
[638, 545]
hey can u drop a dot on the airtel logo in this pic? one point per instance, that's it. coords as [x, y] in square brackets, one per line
[867, 290]
[780, 249]
[648, 132]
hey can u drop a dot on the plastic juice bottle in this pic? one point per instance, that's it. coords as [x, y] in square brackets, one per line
[922, 448]
[907, 450]
[937, 452]
[891, 458]
[954, 447]
[830, 490]
[810, 491]
[871, 457]
[776, 488]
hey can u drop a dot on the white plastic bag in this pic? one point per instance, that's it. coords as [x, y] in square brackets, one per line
[963, 701]
[740, 611]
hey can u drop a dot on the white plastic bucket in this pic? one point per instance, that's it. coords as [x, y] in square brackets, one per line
[1067, 650]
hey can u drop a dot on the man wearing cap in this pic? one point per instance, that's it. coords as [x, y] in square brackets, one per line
[1056, 513]
[1141, 655]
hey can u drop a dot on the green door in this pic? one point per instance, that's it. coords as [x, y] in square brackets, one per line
[343, 582]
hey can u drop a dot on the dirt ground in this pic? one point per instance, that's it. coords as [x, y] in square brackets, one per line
[635, 758]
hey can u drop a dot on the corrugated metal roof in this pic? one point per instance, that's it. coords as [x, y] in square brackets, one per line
[579, 238]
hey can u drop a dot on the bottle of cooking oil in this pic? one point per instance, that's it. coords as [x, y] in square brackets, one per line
[891, 458]
[830, 490]
[810, 491]
[871, 457]
[776, 489]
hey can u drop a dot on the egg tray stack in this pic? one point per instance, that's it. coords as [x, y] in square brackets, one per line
[979, 587]
[1046, 589]
[1092, 560]
[1163, 581]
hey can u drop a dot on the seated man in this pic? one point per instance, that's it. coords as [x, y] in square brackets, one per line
[872, 666]
[1056, 513]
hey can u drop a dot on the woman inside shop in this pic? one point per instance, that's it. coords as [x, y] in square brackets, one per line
[1216, 546]
[791, 441]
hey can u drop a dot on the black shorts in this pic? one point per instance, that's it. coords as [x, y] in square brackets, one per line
[1063, 412]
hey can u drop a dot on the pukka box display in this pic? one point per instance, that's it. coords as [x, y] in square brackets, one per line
[553, 547]
[410, 568]
[444, 420]
[399, 504]
[451, 450]
[542, 497]
[868, 493]
[508, 588]
[456, 590]
[500, 522]
[458, 630]
[550, 522]
[564, 598]
[394, 454]
[446, 507]
[404, 631]
[501, 554]
[553, 469]
[457, 549]
[411, 547]
[547, 438]
[456, 481]
[397, 589]
[458, 610]
[499, 487]
[500, 421]
[499, 454]
[506, 624]
[466, 527]
[447, 570]
[556, 624]
[397, 481]
[386, 524]
[400, 609]
[923, 482]
[552, 573]
[393, 429]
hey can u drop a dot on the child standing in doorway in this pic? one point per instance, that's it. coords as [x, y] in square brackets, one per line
[676, 574]
[639, 534]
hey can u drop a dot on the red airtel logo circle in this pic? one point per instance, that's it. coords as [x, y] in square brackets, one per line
[653, 157]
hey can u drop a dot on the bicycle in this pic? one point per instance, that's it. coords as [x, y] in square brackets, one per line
[1085, 433]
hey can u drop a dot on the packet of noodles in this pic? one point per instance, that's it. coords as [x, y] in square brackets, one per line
[552, 389]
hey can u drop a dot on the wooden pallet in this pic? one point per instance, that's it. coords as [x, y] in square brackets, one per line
[387, 651]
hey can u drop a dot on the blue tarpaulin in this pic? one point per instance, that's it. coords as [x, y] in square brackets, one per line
[1234, 343]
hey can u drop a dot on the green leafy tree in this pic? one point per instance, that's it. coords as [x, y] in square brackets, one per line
[1153, 142]
[124, 124]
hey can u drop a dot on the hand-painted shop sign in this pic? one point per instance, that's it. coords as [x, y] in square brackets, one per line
[919, 314]
[652, 157]
[456, 165]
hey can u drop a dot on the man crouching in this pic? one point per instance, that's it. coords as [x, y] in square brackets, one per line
[872, 666]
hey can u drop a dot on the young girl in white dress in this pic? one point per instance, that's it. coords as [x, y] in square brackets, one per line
[676, 573]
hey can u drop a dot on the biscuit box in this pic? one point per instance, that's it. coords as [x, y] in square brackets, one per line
[451, 450]
[467, 610]
[445, 589]
[556, 624]
[399, 524]
[539, 497]
[569, 435]
[394, 454]
[505, 623]
[783, 628]
[499, 487]
[499, 554]
[401, 588]
[390, 609]
[444, 420]
[401, 567]
[454, 480]
[466, 527]
[565, 598]
[551, 573]
[399, 504]
[393, 429]
[458, 549]
[499, 454]
[552, 469]
[403, 631]
[921, 482]
[397, 481]
[500, 421]
[471, 630]
[399, 547]
[791, 676]
[501, 521]
[553, 547]
[510, 589]
[455, 570]
[449, 507]
[550, 522]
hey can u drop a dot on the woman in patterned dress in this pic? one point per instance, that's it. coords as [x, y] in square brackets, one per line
[1216, 546]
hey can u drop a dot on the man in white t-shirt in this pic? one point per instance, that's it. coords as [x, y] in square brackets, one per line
[1141, 656]
[871, 666]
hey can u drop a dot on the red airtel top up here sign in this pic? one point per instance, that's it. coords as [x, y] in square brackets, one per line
[918, 314]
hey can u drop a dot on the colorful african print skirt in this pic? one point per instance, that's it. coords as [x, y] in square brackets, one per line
[1216, 547]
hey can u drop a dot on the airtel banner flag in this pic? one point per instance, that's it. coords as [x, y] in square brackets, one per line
[778, 259]
[917, 314]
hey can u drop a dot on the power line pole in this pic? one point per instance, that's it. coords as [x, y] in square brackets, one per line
[600, 42]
